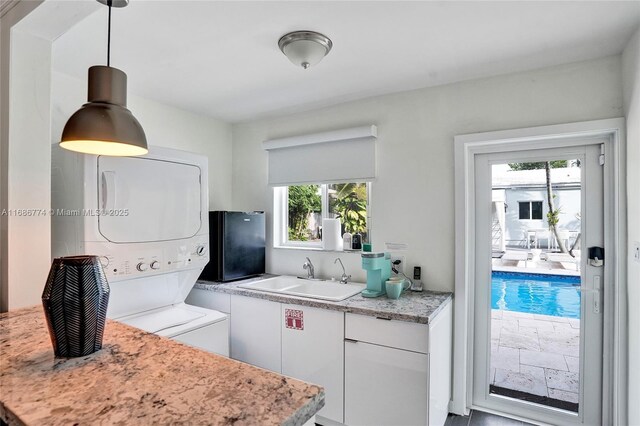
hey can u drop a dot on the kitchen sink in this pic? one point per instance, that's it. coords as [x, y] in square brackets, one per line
[313, 289]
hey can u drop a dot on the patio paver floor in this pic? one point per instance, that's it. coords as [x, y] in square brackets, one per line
[537, 354]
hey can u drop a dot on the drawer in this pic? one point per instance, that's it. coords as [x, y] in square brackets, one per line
[210, 299]
[395, 334]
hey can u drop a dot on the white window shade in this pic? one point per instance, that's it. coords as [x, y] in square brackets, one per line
[336, 156]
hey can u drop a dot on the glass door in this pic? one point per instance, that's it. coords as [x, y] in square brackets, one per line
[538, 309]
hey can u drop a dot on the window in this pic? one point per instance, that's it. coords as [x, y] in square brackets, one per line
[304, 213]
[530, 210]
[299, 211]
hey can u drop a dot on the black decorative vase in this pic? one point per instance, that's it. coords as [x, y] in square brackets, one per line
[75, 300]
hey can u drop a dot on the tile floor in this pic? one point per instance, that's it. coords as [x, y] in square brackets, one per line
[478, 418]
[536, 354]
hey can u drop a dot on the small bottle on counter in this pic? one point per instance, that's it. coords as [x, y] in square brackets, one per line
[346, 241]
[356, 242]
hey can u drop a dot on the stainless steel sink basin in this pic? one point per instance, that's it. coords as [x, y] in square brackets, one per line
[313, 289]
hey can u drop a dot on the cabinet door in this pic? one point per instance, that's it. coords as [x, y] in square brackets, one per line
[441, 345]
[210, 299]
[212, 338]
[385, 386]
[313, 351]
[255, 332]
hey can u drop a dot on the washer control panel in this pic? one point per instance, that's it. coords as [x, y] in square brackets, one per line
[155, 258]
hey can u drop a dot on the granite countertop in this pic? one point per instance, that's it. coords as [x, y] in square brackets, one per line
[420, 307]
[138, 378]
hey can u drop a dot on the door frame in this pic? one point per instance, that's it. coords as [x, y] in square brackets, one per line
[611, 132]
[591, 324]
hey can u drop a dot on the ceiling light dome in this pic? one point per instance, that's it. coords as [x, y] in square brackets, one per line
[305, 48]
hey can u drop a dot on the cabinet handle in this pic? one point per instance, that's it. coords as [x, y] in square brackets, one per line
[383, 318]
[350, 340]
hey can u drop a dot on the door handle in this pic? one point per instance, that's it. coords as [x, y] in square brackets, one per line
[108, 190]
[597, 288]
[597, 293]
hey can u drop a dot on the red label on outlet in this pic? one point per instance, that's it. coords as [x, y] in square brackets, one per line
[294, 319]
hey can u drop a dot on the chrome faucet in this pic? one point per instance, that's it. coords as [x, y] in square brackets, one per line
[344, 278]
[309, 268]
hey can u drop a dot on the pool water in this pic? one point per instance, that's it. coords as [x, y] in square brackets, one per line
[555, 295]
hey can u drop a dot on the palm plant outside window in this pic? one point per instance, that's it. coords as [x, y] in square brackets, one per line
[307, 205]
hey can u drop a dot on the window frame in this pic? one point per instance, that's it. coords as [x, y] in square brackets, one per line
[530, 202]
[281, 216]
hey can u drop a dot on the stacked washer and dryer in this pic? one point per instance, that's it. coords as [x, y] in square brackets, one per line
[147, 219]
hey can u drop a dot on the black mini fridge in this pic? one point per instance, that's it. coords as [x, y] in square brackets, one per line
[237, 246]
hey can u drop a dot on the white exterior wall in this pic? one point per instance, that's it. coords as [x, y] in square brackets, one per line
[568, 200]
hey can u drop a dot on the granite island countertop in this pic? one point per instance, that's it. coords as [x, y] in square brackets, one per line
[419, 307]
[138, 378]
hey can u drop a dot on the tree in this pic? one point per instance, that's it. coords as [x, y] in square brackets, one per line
[303, 200]
[557, 164]
[345, 189]
[553, 216]
[350, 205]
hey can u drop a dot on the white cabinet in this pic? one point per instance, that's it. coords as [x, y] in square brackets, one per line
[385, 386]
[312, 350]
[374, 371]
[395, 334]
[440, 365]
[256, 332]
[397, 373]
[220, 302]
[213, 338]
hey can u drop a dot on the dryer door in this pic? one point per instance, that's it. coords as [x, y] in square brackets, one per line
[146, 200]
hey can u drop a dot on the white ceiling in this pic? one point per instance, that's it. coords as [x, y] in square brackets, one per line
[221, 58]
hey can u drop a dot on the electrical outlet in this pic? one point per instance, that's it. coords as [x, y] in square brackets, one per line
[400, 267]
[636, 251]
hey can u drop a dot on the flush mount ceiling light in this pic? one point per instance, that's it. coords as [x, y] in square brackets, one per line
[305, 48]
[104, 125]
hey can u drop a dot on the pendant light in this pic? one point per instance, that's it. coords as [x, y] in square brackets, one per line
[305, 48]
[104, 125]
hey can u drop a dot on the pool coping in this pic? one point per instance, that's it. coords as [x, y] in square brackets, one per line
[547, 276]
[517, 269]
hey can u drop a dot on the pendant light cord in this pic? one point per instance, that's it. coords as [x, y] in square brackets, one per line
[109, 36]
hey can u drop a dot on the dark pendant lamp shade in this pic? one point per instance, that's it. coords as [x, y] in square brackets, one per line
[104, 125]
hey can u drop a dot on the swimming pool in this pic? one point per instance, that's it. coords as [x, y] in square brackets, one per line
[555, 295]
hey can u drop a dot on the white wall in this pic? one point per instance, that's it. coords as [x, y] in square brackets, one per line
[28, 161]
[631, 90]
[412, 198]
[164, 126]
[11, 14]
